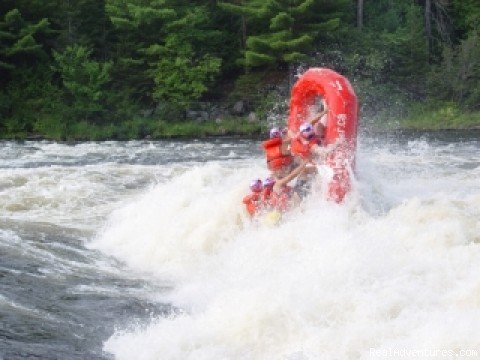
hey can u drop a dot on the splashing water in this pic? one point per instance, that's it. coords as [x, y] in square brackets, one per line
[395, 267]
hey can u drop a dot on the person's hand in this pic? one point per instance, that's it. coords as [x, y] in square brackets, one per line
[325, 105]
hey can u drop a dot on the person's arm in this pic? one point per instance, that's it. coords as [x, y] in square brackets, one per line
[318, 117]
[320, 114]
[295, 172]
[291, 134]
[285, 148]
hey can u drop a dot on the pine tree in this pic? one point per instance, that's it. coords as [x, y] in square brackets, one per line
[18, 43]
[283, 31]
[138, 25]
[466, 14]
[84, 80]
[168, 50]
[186, 63]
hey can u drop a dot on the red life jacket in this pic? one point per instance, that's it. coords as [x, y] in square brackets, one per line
[303, 148]
[275, 159]
[266, 197]
[253, 202]
[281, 201]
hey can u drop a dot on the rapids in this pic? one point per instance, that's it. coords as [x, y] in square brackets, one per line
[142, 250]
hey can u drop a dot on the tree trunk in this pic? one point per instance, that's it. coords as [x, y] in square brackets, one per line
[244, 32]
[360, 14]
[69, 26]
[428, 24]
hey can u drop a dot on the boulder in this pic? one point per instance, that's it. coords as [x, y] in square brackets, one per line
[203, 116]
[191, 114]
[239, 107]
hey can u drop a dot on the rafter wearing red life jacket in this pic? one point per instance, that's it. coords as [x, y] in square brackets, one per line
[303, 148]
[254, 201]
[276, 159]
[267, 192]
[281, 200]
[304, 142]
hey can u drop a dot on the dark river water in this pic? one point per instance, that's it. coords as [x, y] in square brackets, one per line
[142, 250]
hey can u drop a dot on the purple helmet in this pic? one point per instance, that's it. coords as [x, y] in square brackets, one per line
[275, 133]
[269, 182]
[256, 185]
[306, 130]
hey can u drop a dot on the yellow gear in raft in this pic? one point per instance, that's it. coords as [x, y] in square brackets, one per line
[272, 218]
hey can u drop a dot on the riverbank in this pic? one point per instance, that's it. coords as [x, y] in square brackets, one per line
[432, 116]
[420, 116]
[145, 128]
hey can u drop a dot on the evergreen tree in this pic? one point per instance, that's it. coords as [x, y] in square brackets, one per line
[84, 22]
[167, 50]
[18, 43]
[466, 15]
[84, 80]
[23, 70]
[138, 25]
[407, 45]
[283, 31]
[457, 77]
[392, 46]
[185, 64]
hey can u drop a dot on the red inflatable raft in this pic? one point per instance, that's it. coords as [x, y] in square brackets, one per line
[342, 121]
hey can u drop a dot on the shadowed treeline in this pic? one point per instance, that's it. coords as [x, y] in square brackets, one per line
[96, 69]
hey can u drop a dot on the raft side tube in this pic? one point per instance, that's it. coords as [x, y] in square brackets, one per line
[342, 121]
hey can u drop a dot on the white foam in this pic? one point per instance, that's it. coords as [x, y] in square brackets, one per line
[395, 267]
[78, 197]
[178, 222]
[329, 282]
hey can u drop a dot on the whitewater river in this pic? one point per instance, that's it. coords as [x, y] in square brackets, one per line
[142, 250]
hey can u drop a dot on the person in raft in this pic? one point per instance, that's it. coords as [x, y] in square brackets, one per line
[281, 136]
[267, 189]
[283, 196]
[309, 142]
[280, 160]
[254, 201]
[308, 145]
[310, 137]
[319, 122]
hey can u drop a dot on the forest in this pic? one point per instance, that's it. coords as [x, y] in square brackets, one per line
[130, 69]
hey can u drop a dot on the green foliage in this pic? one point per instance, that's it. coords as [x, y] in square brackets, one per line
[182, 79]
[27, 101]
[138, 25]
[457, 77]
[436, 115]
[18, 44]
[98, 69]
[283, 31]
[84, 79]
[181, 70]
[391, 48]
[406, 47]
[131, 129]
[381, 102]
[466, 14]
[231, 126]
[51, 126]
[253, 88]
